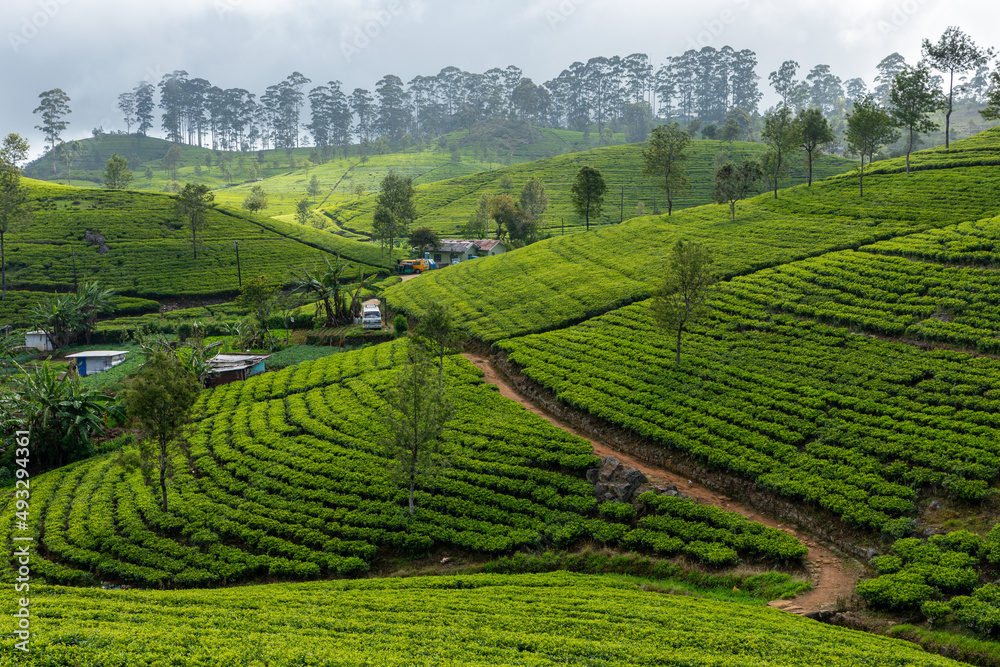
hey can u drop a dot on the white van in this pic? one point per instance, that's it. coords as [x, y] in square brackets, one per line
[371, 317]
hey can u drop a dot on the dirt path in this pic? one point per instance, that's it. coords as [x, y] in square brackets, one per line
[833, 577]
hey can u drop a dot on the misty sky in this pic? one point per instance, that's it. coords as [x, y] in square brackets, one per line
[96, 49]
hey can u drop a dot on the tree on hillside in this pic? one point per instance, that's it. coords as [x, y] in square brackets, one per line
[67, 153]
[954, 53]
[256, 200]
[992, 110]
[302, 213]
[730, 131]
[587, 193]
[734, 182]
[505, 213]
[13, 197]
[438, 333]
[417, 410]
[144, 107]
[117, 175]
[159, 397]
[815, 132]
[126, 104]
[53, 107]
[314, 187]
[783, 135]
[681, 297]
[533, 199]
[887, 69]
[192, 203]
[913, 98]
[394, 209]
[666, 152]
[869, 127]
[172, 161]
[424, 237]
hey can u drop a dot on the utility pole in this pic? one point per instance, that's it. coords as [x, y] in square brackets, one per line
[239, 275]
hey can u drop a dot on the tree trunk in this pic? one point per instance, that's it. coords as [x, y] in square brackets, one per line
[670, 203]
[194, 241]
[810, 153]
[947, 116]
[862, 175]
[909, 149]
[732, 209]
[679, 330]
[163, 476]
[777, 170]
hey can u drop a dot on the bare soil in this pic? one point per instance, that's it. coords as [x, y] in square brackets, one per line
[833, 576]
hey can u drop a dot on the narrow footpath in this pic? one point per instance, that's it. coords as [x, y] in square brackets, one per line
[833, 577]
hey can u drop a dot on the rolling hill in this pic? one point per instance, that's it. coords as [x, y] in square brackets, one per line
[557, 282]
[446, 205]
[147, 248]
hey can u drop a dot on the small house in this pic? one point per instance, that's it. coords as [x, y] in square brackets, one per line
[453, 251]
[96, 361]
[38, 340]
[226, 368]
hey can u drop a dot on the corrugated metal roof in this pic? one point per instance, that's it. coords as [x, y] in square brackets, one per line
[96, 353]
[234, 362]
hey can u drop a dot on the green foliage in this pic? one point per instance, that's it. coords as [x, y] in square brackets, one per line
[587, 193]
[417, 410]
[681, 298]
[554, 618]
[256, 200]
[869, 127]
[400, 325]
[665, 159]
[783, 135]
[117, 175]
[815, 132]
[733, 183]
[159, 399]
[192, 203]
[62, 414]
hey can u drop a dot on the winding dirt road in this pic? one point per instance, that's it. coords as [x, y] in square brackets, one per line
[833, 577]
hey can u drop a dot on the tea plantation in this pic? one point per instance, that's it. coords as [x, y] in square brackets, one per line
[446, 205]
[284, 476]
[559, 282]
[536, 619]
[147, 248]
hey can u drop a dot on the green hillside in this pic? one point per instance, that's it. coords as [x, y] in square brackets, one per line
[447, 205]
[562, 281]
[550, 619]
[285, 475]
[148, 247]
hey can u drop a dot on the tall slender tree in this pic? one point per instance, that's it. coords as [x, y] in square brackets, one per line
[682, 296]
[192, 203]
[53, 107]
[13, 197]
[783, 135]
[954, 53]
[144, 107]
[913, 98]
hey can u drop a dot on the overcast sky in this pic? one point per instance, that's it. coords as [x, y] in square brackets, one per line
[96, 49]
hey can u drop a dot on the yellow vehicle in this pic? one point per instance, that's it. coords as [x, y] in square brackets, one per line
[415, 265]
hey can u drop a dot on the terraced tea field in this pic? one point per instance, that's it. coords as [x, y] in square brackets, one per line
[284, 476]
[537, 619]
[559, 282]
[446, 205]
